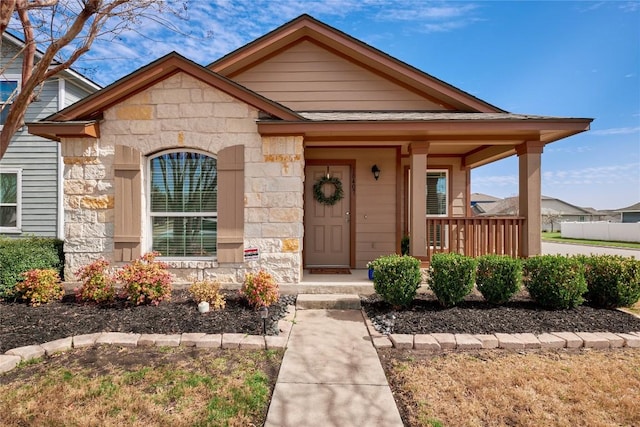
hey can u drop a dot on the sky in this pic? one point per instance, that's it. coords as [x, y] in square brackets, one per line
[552, 58]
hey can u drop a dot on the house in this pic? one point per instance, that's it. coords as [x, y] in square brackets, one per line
[480, 202]
[553, 212]
[31, 169]
[304, 148]
[630, 213]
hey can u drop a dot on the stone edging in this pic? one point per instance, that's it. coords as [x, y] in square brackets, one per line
[11, 358]
[438, 342]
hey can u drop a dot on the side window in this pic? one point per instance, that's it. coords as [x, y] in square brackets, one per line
[10, 200]
[9, 87]
[437, 197]
[183, 205]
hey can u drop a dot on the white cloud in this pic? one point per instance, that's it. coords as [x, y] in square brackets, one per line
[616, 131]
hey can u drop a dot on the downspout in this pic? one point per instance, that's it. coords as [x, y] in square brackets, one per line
[60, 207]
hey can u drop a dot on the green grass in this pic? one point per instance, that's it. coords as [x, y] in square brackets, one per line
[555, 237]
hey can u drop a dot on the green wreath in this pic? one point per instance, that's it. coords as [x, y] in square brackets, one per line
[338, 192]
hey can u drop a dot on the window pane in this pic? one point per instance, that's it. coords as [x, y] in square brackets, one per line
[184, 182]
[436, 193]
[8, 188]
[8, 216]
[185, 236]
[8, 89]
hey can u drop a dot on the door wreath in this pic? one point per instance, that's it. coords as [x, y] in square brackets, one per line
[336, 195]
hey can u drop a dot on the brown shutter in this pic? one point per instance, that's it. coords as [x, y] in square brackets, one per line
[127, 204]
[231, 204]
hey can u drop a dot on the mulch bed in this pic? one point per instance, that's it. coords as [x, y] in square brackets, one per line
[21, 324]
[475, 316]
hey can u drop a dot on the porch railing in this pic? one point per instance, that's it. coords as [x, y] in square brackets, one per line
[474, 236]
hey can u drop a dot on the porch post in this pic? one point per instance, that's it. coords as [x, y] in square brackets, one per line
[418, 197]
[529, 160]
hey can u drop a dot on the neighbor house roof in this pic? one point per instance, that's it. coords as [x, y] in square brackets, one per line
[632, 208]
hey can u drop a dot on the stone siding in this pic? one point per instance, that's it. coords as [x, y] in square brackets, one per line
[183, 112]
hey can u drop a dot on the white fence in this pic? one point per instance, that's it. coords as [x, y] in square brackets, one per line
[611, 231]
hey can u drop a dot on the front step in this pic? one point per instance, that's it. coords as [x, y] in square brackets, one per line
[328, 302]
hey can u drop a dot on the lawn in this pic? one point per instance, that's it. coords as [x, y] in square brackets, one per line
[499, 388]
[112, 386]
[555, 237]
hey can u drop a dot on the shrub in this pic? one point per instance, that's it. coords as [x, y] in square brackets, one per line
[555, 281]
[21, 255]
[612, 280]
[97, 283]
[260, 289]
[396, 278]
[451, 277]
[145, 280]
[498, 278]
[209, 291]
[40, 286]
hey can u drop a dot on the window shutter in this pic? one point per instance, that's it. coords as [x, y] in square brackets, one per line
[231, 204]
[127, 204]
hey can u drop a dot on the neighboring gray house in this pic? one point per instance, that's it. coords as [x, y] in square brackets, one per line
[31, 170]
[630, 213]
[554, 211]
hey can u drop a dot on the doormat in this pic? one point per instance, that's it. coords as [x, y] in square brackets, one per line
[329, 270]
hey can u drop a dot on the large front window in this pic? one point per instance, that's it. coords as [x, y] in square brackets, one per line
[10, 196]
[183, 204]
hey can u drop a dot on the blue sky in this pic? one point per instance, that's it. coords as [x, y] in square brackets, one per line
[555, 58]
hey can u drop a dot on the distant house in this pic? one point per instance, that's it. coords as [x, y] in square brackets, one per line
[31, 169]
[481, 202]
[630, 213]
[553, 212]
[304, 148]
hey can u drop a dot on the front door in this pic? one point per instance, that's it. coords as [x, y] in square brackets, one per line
[327, 227]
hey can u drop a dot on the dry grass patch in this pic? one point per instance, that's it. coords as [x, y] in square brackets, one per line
[495, 388]
[141, 387]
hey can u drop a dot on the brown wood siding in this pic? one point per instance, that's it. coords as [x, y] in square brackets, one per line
[127, 204]
[231, 204]
[307, 77]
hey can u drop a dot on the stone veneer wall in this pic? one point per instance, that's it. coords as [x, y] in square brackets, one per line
[183, 112]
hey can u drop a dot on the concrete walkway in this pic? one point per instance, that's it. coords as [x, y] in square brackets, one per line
[331, 375]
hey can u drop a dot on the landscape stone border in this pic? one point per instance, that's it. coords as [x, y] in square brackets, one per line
[11, 358]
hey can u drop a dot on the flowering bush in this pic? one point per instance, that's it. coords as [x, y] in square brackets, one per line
[40, 286]
[260, 289]
[97, 283]
[209, 291]
[145, 280]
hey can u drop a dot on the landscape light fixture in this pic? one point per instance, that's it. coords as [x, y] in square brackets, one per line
[264, 313]
[376, 171]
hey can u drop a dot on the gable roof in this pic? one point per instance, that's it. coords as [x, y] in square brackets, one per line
[306, 27]
[80, 119]
[632, 208]
[69, 73]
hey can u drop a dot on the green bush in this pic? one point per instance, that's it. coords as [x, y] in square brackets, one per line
[498, 278]
[18, 256]
[260, 289]
[451, 277]
[555, 281]
[612, 280]
[40, 286]
[396, 278]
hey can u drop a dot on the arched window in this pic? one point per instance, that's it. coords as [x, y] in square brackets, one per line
[183, 204]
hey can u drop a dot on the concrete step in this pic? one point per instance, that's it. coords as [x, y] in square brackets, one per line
[328, 302]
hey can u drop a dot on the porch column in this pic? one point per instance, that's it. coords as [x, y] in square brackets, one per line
[418, 199]
[529, 163]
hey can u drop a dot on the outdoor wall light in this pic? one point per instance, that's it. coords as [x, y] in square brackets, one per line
[376, 171]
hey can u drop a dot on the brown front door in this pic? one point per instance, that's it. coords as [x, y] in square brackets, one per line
[327, 227]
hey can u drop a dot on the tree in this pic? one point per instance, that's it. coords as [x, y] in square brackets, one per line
[64, 31]
[551, 217]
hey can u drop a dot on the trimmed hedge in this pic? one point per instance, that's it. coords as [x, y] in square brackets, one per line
[612, 280]
[21, 255]
[555, 281]
[396, 278]
[498, 278]
[451, 277]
